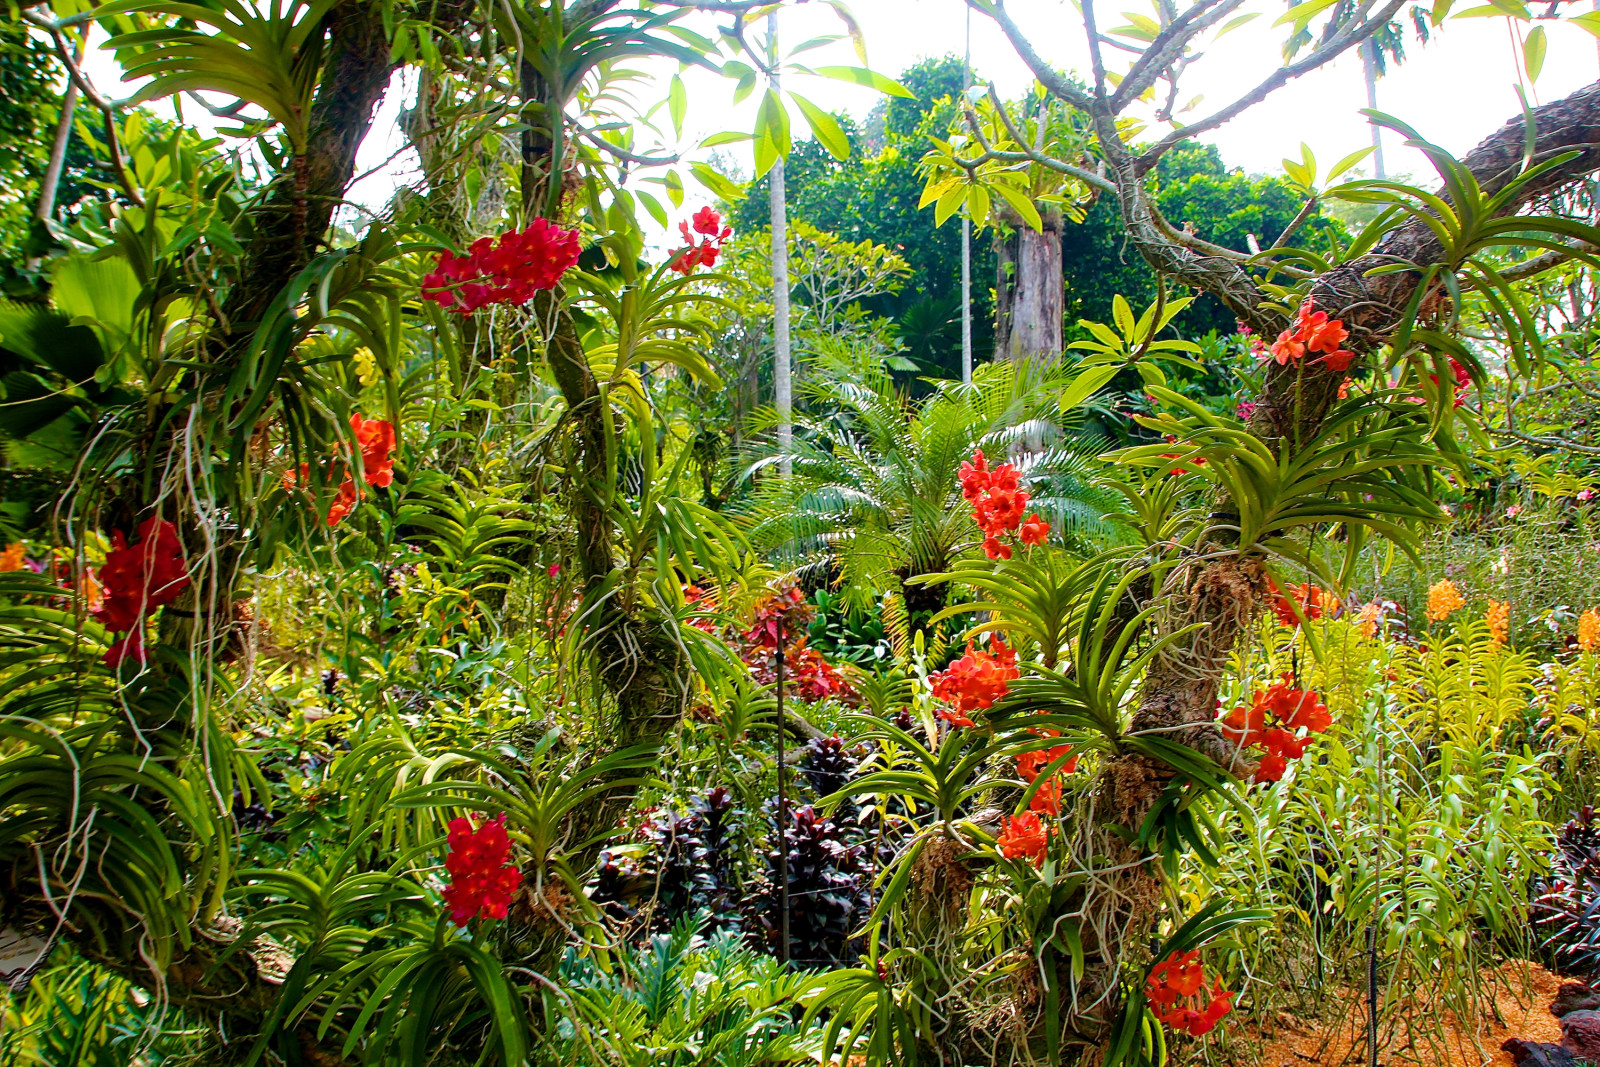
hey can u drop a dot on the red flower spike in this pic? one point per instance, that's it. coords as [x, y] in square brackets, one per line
[1313, 331]
[977, 679]
[1288, 347]
[707, 221]
[504, 270]
[998, 504]
[377, 440]
[137, 579]
[1047, 799]
[132, 644]
[345, 502]
[954, 718]
[1024, 836]
[1339, 360]
[1031, 764]
[1035, 531]
[482, 878]
[1272, 724]
[995, 550]
[1179, 978]
[704, 251]
[1321, 334]
[1307, 597]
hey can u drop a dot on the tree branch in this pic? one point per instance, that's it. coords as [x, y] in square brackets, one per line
[1047, 75]
[1028, 153]
[1280, 77]
[1168, 46]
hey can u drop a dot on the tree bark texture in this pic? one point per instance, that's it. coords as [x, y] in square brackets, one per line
[292, 222]
[1030, 291]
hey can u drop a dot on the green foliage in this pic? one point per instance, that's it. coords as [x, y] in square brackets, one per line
[543, 611]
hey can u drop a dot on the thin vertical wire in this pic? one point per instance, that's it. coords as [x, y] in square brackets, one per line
[783, 810]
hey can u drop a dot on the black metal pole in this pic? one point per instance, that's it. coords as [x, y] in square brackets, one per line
[1372, 994]
[783, 812]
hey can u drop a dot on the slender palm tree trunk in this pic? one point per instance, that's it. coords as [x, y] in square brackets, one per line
[778, 202]
[966, 237]
[1369, 70]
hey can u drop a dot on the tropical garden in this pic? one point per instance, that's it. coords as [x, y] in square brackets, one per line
[974, 580]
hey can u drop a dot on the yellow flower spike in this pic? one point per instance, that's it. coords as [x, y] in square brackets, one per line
[1444, 599]
[365, 364]
[1589, 630]
[1499, 619]
[1367, 620]
[14, 557]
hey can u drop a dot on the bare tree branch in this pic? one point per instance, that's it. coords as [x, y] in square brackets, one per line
[1047, 75]
[1341, 42]
[1543, 442]
[1168, 46]
[1296, 222]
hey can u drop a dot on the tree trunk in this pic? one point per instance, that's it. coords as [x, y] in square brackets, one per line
[778, 202]
[1029, 291]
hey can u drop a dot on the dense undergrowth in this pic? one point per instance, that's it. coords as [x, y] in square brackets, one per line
[434, 636]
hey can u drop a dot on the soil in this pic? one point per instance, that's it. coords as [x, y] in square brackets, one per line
[1522, 994]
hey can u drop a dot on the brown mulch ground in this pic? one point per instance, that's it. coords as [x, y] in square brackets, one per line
[1523, 992]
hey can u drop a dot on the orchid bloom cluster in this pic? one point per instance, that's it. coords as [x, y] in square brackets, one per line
[1046, 799]
[1313, 331]
[1178, 978]
[998, 505]
[697, 598]
[482, 876]
[975, 681]
[1589, 630]
[704, 242]
[14, 557]
[1369, 618]
[1024, 836]
[1444, 600]
[1497, 617]
[1198, 461]
[1273, 722]
[1307, 598]
[1462, 380]
[137, 579]
[507, 269]
[376, 439]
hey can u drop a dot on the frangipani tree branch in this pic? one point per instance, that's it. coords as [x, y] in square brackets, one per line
[1340, 43]
[1168, 47]
[1048, 76]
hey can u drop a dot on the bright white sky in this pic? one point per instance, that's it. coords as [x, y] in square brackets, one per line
[1455, 90]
